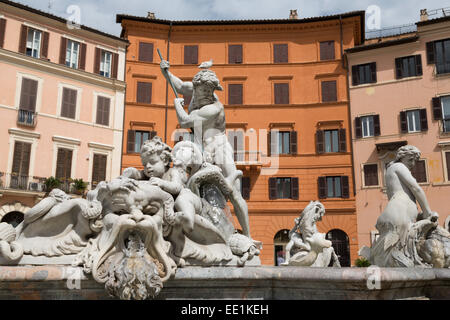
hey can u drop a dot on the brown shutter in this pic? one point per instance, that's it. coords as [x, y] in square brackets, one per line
[97, 58]
[376, 125]
[329, 92]
[2, 32]
[437, 108]
[246, 188]
[294, 189]
[320, 143]
[62, 51]
[447, 159]
[145, 52]
[273, 189]
[418, 65]
[342, 140]
[345, 187]
[373, 72]
[131, 137]
[144, 92]
[99, 168]
[82, 60]
[293, 142]
[115, 65]
[322, 187]
[23, 39]
[235, 53]
[44, 48]
[370, 175]
[423, 120]
[191, 54]
[69, 103]
[103, 105]
[269, 143]
[398, 68]
[17, 157]
[358, 127]
[403, 122]
[430, 52]
[327, 51]
[355, 76]
[280, 53]
[28, 95]
[281, 92]
[235, 94]
[64, 164]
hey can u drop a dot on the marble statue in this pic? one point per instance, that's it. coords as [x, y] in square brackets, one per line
[307, 247]
[408, 238]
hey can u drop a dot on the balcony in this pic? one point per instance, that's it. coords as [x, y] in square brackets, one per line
[248, 160]
[26, 118]
[11, 181]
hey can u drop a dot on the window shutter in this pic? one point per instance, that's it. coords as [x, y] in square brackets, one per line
[322, 186]
[64, 164]
[25, 163]
[21, 158]
[2, 32]
[131, 137]
[98, 54]
[423, 120]
[23, 39]
[152, 135]
[82, 60]
[403, 122]
[355, 77]
[246, 188]
[144, 92]
[280, 53]
[329, 93]
[69, 103]
[235, 94]
[293, 142]
[430, 52]
[115, 65]
[62, 51]
[99, 168]
[294, 189]
[235, 53]
[373, 72]
[358, 127]
[273, 189]
[44, 48]
[269, 143]
[376, 125]
[437, 108]
[191, 54]
[320, 143]
[281, 91]
[28, 95]
[342, 141]
[103, 105]
[398, 68]
[345, 187]
[145, 52]
[447, 159]
[370, 175]
[418, 65]
[327, 51]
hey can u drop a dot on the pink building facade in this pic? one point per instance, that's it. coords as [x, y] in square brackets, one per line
[400, 94]
[61, 105]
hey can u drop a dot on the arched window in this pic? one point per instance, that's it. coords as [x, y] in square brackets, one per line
[14, 218]
[280, 241]
[341, 246]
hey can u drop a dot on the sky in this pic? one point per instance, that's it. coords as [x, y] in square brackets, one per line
[101, 14]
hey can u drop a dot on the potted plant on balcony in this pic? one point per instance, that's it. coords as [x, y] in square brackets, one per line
[51, 183]
[79, 186]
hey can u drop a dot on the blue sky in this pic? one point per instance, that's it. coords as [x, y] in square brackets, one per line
[101, 14]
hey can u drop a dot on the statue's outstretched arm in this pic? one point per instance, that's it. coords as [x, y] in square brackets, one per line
[182, 87]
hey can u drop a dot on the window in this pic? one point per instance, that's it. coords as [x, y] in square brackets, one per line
[283, 142]
[2, 31]
[441, 111]
[191, 54]
[408, 66]
[281, 93]
[442, 56]
[235, 53]
[69, 103]
[105, 64]
[333, 187]
[99, 169]
[329, 92]
[367, 126]
[64, 164]
[327, 50]
[280, 53]
[370, 175]
[328, 141]
[235, 94]
[413, 121]
[245, 188]
[283, 188]
[447, 162]
[136, 139]
[236, 140]
[20, 167]
[72, 53]
[145, 52]
[364, 73]
[103, 105]
[33, 47]
[419, 171]
[27, 104]
[144, 92]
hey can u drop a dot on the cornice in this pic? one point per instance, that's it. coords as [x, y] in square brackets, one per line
[23, 133]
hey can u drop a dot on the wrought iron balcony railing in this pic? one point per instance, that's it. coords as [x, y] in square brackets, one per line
[26, 118]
